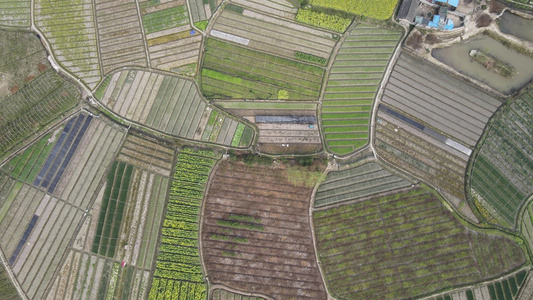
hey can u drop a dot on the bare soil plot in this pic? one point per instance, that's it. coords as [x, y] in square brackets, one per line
[357, 182]
[15, 13]
[265, 34]
[70, 29]
[420, 155]
[403, 245]
[171, 105]
[504, 166]
[438, 99]
[146, 154]
[352, 86]
[279, 8]
[119, 35]
[256, 234]
[234, 72]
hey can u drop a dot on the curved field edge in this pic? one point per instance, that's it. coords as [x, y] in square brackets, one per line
[356, 74]
[171, 105]
[502, 166]
[421, 237]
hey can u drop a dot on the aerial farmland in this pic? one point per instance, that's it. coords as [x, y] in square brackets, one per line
[266, 149]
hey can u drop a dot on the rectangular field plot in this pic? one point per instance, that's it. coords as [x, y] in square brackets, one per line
[171, 105]
[36, 231]
[420, 155]
[233, 72]
[119, 35]
[221, 294]
[39, 102]
[86, 276]
[202, 10]
[436, 98]
[352, 86]
[172, 43]
[361, 181]
[403, 245]
[278, 8]
[178, 270]
[15, 13]
[147, 154]
[504, 167]
[510, 284]
[70, 29]
[256, 232]
[272, 35]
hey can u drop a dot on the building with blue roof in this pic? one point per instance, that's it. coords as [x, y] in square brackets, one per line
[453, 3]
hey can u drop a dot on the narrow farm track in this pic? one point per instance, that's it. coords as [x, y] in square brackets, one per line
[352, 85]
[267, 250]
[403, 245]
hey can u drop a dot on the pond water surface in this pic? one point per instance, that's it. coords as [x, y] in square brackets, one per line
[517, 26]
[457, 57]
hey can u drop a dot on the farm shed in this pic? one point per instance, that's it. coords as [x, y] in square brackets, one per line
[453, 3]
[286, 119]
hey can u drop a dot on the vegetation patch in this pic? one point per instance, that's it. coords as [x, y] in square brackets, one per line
[202, 25]
[380, 246]
[311, 58]
[376, 9]
[178, 261]
[324, 20]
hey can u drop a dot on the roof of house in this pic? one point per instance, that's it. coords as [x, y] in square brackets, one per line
[453, 3]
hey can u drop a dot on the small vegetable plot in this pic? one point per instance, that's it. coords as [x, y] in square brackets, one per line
[169, 104]
[178, 270]
[352, 86]
[256, 233]
[504, 167]
[172, 42]
[147, 154]
[15, 13]
[403, 245]
[120, 35]
[71, 30]
[234, 72]
[220, 294]
[278, 8]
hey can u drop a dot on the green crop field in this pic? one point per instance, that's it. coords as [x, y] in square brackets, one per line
[164, 19]
[38, 103]
[503, 169]
[178, 271]
[112, 209]
[352, 86]
[376, 9]
[15, 13]
[403, 245]
[7, 289]
[234, 72]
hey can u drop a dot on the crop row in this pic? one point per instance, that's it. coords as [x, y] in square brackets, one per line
[231, 71]
[376, 9]
[320, 19]
[178, 272]
[380, 246]
[352, 85]
[502, 171]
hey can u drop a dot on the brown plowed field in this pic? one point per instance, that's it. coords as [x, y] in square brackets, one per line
[256, 234]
